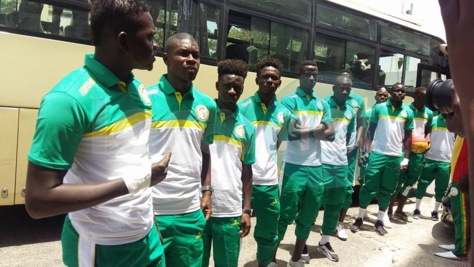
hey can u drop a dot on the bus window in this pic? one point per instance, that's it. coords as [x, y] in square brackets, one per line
[411, 66]
[329, 53]
[360, 60]
[201, 20]
[264, 38]
[407, 40]
[295, 10]
[346, 23]
[392, 65]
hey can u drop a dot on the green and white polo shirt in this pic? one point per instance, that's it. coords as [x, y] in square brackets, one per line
[422, 117]
[271, 126]
[358, 104]
[97, 127]
[310, 111]
[179, 124]
[442, 141]
[344, 117]
[391, 125]
[234, 145]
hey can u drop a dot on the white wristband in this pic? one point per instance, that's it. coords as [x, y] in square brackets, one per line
[135, 184]
[404, 162]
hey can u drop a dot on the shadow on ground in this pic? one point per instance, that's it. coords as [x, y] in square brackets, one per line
[18, 228]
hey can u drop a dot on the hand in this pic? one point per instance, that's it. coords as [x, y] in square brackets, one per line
[404, 164]
[160, 169]
[319, 131]
[245, 225]
[206, 205]
[363, 160]
[351, 151]
[464, 183]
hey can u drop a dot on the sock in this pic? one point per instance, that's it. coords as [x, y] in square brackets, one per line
[324, 239]
[361, 213]
[418, 203]
[380, 215]
[436, 207]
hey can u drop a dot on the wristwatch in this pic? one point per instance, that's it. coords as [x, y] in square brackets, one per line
[205, 188]
[249, 212]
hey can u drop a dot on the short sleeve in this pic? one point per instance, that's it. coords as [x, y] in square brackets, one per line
[374, 116]
[249, 151]
[60, 126]
[409, 125]
[285, 127]
[326, 112]
[361, 110]
[209, 132]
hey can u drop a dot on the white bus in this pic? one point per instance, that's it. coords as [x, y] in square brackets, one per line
[43, 40]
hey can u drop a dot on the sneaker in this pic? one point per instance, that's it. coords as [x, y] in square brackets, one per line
[401, 216]
[416, 214]
[272, 264]
[327, 250]
[434, 216]
[341, 232]
[386, 222]
[305, 254]
[379, 228]
[298, 263]
[356, 225]
[449, 247]
[450, 256]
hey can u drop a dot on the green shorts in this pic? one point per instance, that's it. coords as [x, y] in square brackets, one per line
[147, 251]
[224, 235]
[408, 178]
[182, 238]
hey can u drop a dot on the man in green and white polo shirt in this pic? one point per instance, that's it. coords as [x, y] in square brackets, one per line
[271, 120]
[183, 122]
[334, 159]
[423, 118]
[232, 155]
[437, 165]
[303, 182]
[391, 124]
[358, 104]
[89, 157]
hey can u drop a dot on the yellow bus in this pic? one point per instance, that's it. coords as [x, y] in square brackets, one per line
[43, 40]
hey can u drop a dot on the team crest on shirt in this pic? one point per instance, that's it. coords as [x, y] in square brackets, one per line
[240, 131]
[319, 105]
[143, 94]
[202, 112]
[280, 117]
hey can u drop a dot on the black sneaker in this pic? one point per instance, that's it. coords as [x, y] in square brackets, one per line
[434, 216]
[356, 225]
[379, 228]
[416, 214]
[327, 250]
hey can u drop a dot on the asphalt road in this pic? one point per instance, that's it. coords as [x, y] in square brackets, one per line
[28, 242]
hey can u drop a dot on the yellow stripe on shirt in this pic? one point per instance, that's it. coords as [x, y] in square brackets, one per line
[121, 124]
[178, 124]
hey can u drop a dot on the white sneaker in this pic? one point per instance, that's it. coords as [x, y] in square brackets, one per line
[449, 247]
[299, 263]
[449, 255]
[386, 221]
[272, 264]
[341, 232]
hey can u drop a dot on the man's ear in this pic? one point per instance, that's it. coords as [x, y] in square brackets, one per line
[256, 80]
[165, 58]
[122, 41]
[217, 86]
